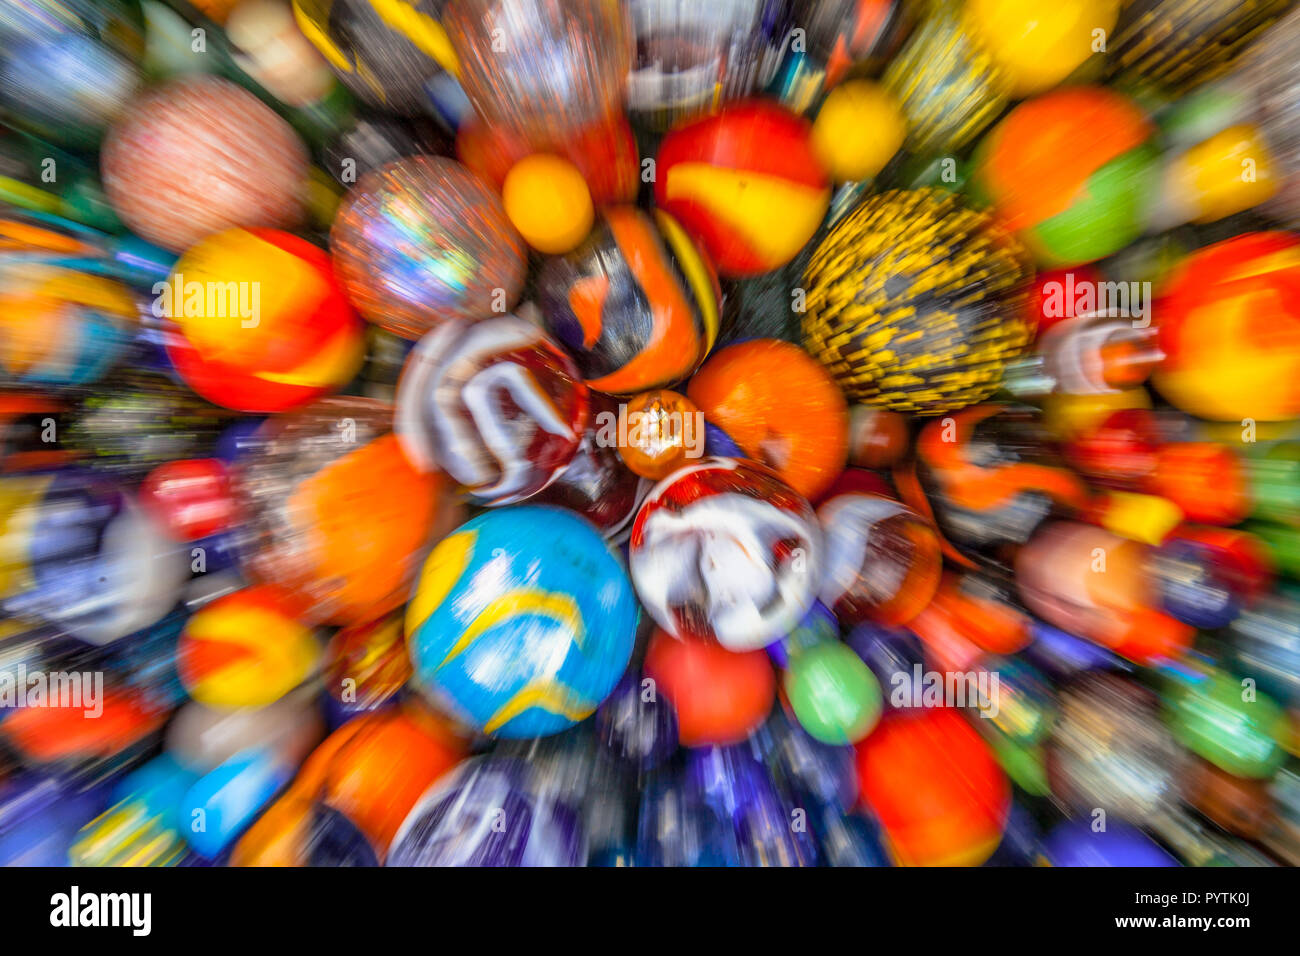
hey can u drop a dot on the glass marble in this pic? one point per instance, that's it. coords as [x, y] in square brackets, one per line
[1174, 45]
[136, 420]
[541, 66]
[949, 87]
[994, 484]
[1265, 643]
[389, 60]
[676, 828]
[199, 155]
[495, 404]
[486, 814]
[78, 551]
[636, 726]
[522, 622]
[824, 774]
[1270, 78]
[39, 819]
[664, 430]
[636, 304]
[832, 692]
[1207, 576]
[68, 67]
[691, 57]
[891, 653]
[723, 549]
[366, 666]
[882, 560]
[596, 484]
[1109, 749]
[1078, 843]
[423, 240]
[840, 37]
[1212, 716]
[336, 515]
[940, 282]
[719, 697]
[61, 326]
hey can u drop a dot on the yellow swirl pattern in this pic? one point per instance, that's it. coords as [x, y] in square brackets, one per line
[546, 694]
[560, 607]
[441, 571]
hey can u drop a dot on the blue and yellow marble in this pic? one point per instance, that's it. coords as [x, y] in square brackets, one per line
[522, 622]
